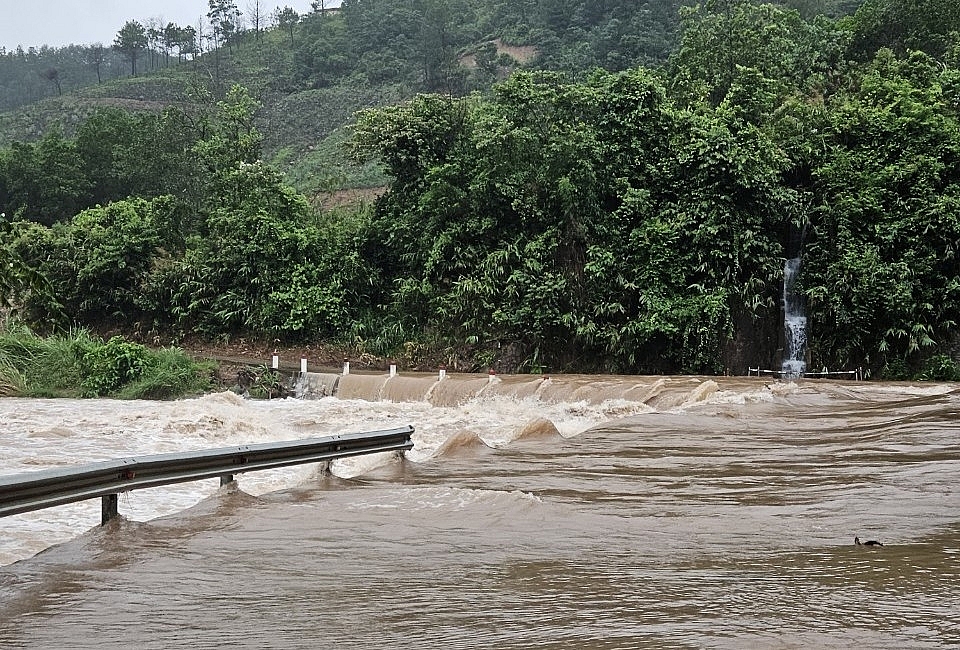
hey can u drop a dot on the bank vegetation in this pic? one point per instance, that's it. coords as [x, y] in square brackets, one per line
[630, 219]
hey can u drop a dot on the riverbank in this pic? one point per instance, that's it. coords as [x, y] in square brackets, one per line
[81, 364]
[110, 363]
[231, 358]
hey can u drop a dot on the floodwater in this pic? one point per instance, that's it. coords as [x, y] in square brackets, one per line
[574, 512]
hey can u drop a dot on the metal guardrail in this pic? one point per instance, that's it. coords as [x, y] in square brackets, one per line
[53, 487]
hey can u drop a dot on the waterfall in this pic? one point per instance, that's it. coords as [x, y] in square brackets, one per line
[794, 323]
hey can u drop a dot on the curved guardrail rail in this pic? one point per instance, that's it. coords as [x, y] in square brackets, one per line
[53, 487]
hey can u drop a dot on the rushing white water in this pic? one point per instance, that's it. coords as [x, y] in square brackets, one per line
[44, 433]
[794, 323]
[572, 512]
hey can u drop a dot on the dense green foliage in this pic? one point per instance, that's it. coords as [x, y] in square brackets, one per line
[883, 267]
[629, 218]
[235, 250]
[81, 365]
[114, 154]
[635, 225]
[594, 224]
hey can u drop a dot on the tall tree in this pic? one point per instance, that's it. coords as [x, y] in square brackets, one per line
[96, 56]
[130, 41]
[255, 14]
[187, 42]
[171, 39]
[286, 19]
[154, 41]
[224, 20]
[53, 76]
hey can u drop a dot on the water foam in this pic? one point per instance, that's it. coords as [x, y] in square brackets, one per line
[43, 434]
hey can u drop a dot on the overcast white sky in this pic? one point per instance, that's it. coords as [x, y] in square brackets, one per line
[61, 22]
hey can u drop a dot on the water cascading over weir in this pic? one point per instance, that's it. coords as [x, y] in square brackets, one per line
[794, 323]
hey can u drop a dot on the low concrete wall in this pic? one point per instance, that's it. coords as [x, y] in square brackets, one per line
[315, 385]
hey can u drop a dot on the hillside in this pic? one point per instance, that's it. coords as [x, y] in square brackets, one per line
[311, 73]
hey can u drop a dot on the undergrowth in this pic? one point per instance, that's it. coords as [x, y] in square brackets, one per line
[78, 364]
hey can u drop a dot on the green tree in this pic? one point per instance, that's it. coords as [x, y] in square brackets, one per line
[98, 141]
[97, 57]
[231, 135]
[97, 263]
[770, 40]
[266, 267]
[882, 278]
[579, 221]
[18, 280]
[224, 19]
[53, 76]
[140, 154]
[931, 26]
[286, 19]
[130, 41]
[45, 181]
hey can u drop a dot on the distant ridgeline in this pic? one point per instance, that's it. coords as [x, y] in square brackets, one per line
[565, 217]
[377, 39]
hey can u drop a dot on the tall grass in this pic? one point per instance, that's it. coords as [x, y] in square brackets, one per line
[60, 366]
[169, 374]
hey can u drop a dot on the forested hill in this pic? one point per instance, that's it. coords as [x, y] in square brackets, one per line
[625, 218]
[391, 36]
[311, 72]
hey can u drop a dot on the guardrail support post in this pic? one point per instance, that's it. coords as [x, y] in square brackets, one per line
[225, 478]
[108, 508]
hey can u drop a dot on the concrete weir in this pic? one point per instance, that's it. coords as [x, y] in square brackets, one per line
[446, 390]
[440, 391]
[314, 385]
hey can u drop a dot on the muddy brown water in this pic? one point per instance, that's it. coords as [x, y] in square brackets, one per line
[574, 512]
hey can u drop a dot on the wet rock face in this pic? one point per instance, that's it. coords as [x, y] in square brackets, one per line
[756, 343]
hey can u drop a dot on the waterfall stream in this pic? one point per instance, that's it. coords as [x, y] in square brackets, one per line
[794, 323]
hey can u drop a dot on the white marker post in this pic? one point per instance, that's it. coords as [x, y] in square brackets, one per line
[303, 365]
[443, 373]
[346, 366]
[393, 369]
[276, 361]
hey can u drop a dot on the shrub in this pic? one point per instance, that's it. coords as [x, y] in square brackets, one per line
[940, 367]
[109, 366]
